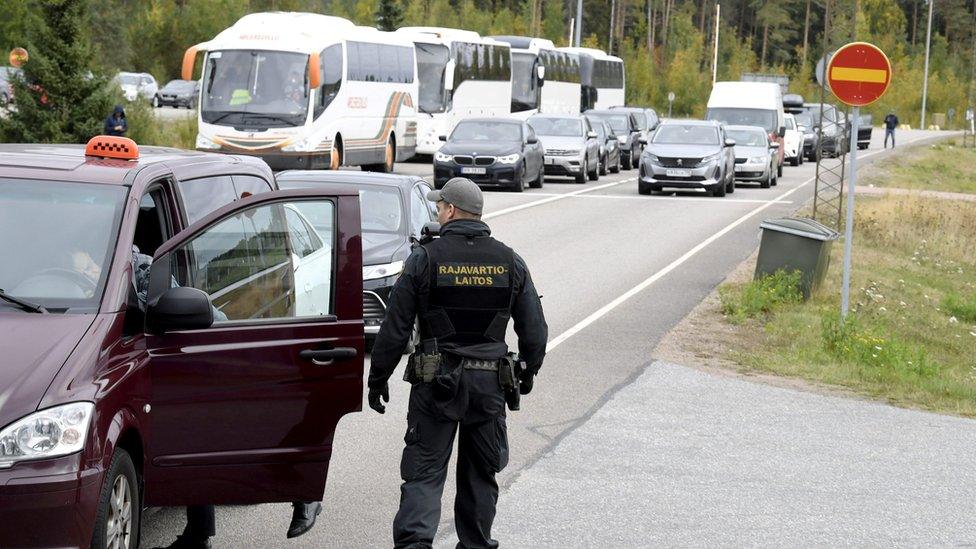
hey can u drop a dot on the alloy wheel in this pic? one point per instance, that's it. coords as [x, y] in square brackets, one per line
[119, 523]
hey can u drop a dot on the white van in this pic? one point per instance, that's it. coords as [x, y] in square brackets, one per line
[750, 104]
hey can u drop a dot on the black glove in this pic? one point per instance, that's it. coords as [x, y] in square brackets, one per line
[525, 382]
[374, 397]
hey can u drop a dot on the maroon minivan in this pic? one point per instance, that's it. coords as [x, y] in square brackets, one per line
[174, 330]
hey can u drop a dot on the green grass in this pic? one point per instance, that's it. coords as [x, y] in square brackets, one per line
[761, 296]
[940, 167]
[148, 129]
[911, 336]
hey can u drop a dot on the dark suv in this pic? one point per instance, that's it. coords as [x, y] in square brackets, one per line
[628, 134]
[175, 331]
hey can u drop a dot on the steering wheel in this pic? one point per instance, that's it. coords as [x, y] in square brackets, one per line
[87, 285]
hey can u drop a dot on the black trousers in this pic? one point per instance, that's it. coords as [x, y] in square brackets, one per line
[200, 521]
[470, 403]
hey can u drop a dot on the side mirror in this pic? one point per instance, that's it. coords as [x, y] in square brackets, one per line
[782, 131]
[591, 135]
[532, 140]
[449, 75]
[643, 140]
[442, 137]
[774, 145]
[730, 142]
[540, 75]
[180, 308]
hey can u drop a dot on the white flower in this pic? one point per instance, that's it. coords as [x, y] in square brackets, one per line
[972, 334]
[877, 347]
[882, 309]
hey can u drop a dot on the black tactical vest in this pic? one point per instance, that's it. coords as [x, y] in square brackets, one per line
[470, 291]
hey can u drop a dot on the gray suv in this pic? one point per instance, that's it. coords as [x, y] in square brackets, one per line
[571, 146]
[688, 154]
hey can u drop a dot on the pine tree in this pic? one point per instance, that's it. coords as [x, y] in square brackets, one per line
[389, 15]
[59, 99]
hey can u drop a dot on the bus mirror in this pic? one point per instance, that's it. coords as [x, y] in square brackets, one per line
[449, 75]
[540, 72]
[189, 58]
[314, 71]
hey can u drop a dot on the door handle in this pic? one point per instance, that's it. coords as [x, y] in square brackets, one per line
[325, 357]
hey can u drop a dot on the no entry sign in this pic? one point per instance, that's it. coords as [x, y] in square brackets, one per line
[859, 74]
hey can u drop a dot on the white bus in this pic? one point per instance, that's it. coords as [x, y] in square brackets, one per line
[602, 76]
[304, 90]
[544, 79]
[461, 75]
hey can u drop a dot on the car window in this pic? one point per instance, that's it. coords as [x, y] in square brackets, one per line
[431, 207]
[250, 184]
[790, 125]
[246, 263]
[419, 211]
[381, 210]
[206, 194]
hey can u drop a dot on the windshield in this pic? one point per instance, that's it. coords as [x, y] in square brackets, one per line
[559, 127]
[261, 89]
[618, 122]
[128, 79]
[71, 229]
[641, 120]
[487, 131]
[431, 64]
[179, 86]
[804, 119]
[765, 119]
[525, 89]
[686, 134]
[747, 138]
[381, 210]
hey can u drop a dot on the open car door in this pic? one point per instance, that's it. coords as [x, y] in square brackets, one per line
[248, 384]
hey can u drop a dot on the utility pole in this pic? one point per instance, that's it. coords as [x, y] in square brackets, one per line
[613, 20]
[718, 13]
[925, 82]
[579, 23]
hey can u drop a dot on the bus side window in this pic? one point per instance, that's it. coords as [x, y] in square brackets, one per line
[331, 60]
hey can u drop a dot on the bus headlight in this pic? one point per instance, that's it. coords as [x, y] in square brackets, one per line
[306, 145]
[204, 143]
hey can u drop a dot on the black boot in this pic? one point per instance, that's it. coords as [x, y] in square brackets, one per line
[184, 541]
[303, 518]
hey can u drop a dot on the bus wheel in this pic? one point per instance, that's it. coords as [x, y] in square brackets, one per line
[335, 159]
[389, 156]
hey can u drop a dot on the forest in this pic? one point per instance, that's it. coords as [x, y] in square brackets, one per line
[667, 44]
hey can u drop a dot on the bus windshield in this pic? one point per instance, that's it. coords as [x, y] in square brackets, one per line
[431, 64]
[255, 88]
[525, 90]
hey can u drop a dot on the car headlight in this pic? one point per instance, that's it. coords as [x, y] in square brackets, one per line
[622, 139]
[53, 432]
[372, 272]
[648, 157]
[509, 159]
[441, 157]
[711, 158]
[205, 143]
[756, 159]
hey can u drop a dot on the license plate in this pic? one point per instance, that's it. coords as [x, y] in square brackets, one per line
[550, 161]
[474, 171]
[740, 168]
[678, 173]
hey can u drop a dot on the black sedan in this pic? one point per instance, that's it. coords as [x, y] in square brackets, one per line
[178, 93]
[394, 211]
[628, 133]
[492, 152]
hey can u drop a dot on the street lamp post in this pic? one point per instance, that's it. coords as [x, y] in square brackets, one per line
[579, 23]
[925, 81]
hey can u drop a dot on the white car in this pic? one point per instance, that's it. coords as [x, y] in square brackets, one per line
[793, 142]
[311, 261]
[137, 85]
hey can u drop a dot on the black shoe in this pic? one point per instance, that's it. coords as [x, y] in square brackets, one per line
[188, 542]
[303, 518]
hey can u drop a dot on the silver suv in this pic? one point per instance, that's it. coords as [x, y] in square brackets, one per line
[571, 145]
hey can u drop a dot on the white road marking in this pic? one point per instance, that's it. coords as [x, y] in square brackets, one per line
[553, 198]
[602, 311]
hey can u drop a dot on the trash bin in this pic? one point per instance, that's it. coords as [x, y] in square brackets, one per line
[796, 244]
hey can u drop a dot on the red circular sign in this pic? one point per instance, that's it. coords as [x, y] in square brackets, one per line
[859, 74]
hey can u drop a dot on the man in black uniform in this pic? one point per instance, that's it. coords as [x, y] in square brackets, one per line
[462, 289]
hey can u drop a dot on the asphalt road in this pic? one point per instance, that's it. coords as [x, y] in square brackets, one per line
[616, 270]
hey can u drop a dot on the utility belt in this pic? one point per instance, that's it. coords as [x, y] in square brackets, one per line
[424, 367]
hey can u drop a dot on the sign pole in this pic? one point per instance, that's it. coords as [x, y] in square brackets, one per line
[845, 296]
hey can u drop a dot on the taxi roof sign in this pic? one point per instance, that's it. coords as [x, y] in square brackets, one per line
[112, 146]
[858, 74]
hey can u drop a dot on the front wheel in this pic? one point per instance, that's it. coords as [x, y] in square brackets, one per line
[616, 166]
[593, 174]
[779, 170]
[519, 184]
[539, 180]
[581, 176]
[626, 163]
[604, 160]
[119, 505]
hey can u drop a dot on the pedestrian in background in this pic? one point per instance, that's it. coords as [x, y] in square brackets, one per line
[116, 124]
[890, 122]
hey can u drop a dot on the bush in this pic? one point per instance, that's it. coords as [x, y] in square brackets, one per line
[761, 296]
[846, 340]
[145, 128]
